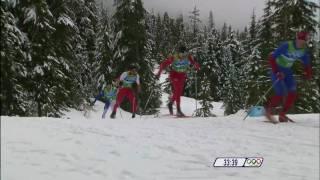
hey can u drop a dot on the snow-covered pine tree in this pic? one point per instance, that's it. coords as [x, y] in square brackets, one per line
[205, 98]
[158, 39]
[292, 16]
[86, 20]
[107, 51]
[195, 43]
[208, 56]
[195, 20]
[224, 32]
[213, 58]
[46, 75]
[151, 29]
[65, 39]
[282, 16]
[14, 98]
[88, 30]
[265, 32]
[177, 31]
[151, 55]
[304, 16]
[167, 47]
[254, 69]
[244, 34]
[231, 75]
[211, 21]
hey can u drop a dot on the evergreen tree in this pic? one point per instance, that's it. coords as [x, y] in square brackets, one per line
[158, 40]
[178, 33]
[205, 98]
[211, 21]
[292, 16]
[282, 16]
[253, 28]
[265, 34]
[87, 21]
[167, 46]
[231, 76]
[14, 99]
[64, 41]
[196, 42]
[213, 61]
[45, 74]
[224, 32]
[151, 28]
[254, 68]
[107, 52]
[195, 20]
[303, 16]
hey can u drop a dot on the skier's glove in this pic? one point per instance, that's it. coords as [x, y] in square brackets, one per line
[280, 75]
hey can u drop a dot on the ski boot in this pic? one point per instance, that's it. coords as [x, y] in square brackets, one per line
[170, 108]
[133, 115]
[269, 115]
[113, 115]
[180, 113]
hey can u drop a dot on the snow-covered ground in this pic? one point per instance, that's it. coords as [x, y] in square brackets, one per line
[163, 148]
[157, 148]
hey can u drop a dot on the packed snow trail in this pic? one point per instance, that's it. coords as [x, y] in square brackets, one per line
[156, 148]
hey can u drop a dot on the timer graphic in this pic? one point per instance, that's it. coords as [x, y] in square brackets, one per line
[238, 162]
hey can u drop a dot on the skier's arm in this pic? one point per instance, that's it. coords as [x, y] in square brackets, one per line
[275, 54]
[307, 65]
[97, 97]
[138, 80]
[165, 64]
[194, 63]
[273, 64]
[283, 48]
[121, 78]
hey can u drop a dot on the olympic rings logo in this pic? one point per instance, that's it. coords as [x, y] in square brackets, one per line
[253, 162]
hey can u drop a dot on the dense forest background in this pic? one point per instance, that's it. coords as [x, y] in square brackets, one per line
[58, 54]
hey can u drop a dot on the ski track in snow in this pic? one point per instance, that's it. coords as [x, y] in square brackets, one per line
[154, 148]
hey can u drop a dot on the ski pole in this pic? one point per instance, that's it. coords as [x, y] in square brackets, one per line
[120, 113]
[145, 107]
[196, 89]
[262, 97]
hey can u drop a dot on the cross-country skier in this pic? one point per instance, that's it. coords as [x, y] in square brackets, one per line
[281, 61]
[130, 84]
[108, 94]
[179, 65]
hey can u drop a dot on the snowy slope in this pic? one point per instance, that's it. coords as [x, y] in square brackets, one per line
[156, 148]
